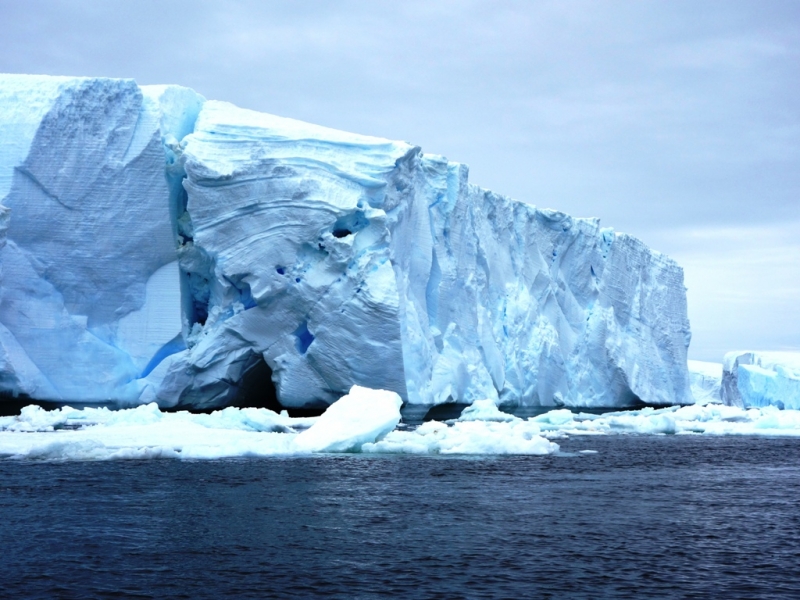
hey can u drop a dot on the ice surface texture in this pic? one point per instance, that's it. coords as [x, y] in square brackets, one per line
[159, 246]
[755, 379]
[705, 379]
[90, 286]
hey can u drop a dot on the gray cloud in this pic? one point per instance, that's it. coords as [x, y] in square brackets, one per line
[661, 118]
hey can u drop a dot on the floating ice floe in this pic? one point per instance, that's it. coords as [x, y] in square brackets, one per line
[709, 419]
[466, 437]
[364, 421]
[361, 417]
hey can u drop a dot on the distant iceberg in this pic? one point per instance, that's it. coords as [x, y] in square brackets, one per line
[705, 381]
[158, 247]
[758, 379]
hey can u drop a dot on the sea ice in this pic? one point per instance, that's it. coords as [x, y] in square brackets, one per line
[364, 422]
[466, 437]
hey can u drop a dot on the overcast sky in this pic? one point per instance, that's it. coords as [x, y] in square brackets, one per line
[678, 122]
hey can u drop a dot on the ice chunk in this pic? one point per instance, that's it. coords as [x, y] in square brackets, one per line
[363, 416]
[145, 432]
[466, 437]
[757, 379]
[705, 379]
[363, 423]
[99, 433]
[484, 410]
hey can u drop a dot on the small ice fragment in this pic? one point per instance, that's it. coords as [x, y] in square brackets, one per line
[485, 410]
[362, 416]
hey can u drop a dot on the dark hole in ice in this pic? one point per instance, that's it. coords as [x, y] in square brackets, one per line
[280, 270]
[200, 312]
[256, 388]
[349, 224]
[304, 337]
[297, 279]
[443, 412]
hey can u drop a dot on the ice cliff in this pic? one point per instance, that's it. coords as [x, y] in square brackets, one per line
[161, 247]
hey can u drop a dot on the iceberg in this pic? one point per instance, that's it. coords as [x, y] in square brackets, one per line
[705, 381]
[160, 247]
[759, 379]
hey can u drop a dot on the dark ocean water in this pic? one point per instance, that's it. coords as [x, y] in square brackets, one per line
[646, 517]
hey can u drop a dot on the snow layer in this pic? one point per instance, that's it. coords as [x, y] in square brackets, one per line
[157, 247]
[705, 380]
[761, 379]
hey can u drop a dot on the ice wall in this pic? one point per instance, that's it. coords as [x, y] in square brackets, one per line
[343, 259]
[87, 294]
[334, 258]
[758, 379]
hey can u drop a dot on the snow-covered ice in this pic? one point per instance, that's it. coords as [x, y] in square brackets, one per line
[466, 437]
[757, 379]
[158, 247]
[362, 416]
[364, 422]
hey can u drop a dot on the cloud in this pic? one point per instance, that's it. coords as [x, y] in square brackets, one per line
[743, 286]
[657, 117]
